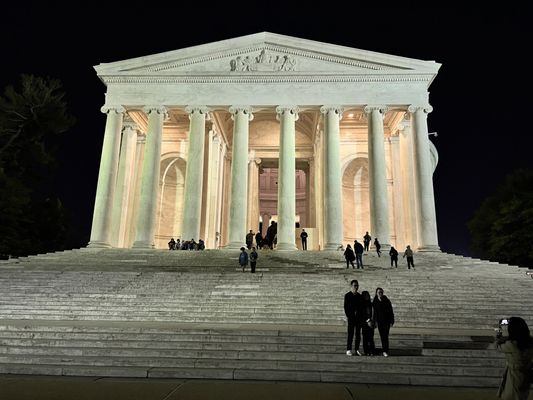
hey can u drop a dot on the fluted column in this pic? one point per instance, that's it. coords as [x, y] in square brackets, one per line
[423, 173]
[192, 204]
[135, 198]
[397, 196]
[123, 189]
[379, 212]
[107, 176]
[144, 238]
[239, 179]
[311, 201]
[287, 116]
[332, 177]
[253, 193]
[406, 161]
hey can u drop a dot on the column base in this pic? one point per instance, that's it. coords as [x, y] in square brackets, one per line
[332, 246]
[98, 244]
[234, 246]
[143, 244]
[286, 247]
[429, 249]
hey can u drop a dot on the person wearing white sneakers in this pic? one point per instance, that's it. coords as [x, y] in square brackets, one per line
[353, 308]
[383, 317]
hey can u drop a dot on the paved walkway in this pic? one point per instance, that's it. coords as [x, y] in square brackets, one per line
[80, 388]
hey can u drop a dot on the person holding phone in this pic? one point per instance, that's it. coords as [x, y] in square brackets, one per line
[517, 348]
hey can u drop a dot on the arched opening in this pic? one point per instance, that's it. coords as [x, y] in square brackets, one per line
[355, 200]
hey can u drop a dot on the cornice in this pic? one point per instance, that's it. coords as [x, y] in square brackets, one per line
[265, 79]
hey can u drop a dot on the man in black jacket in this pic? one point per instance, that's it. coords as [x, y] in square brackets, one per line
[353, 308]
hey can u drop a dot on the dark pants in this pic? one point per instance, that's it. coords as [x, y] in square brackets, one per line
[353, 325]
[359, 260]
[394, 260]
[368, 339]
[410, 263]
[252, 265]
[384, 335]
[304, 244]
[348, 262]
[366, 245]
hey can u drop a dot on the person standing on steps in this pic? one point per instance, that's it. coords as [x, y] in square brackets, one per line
[243, 258]
[358, 250]
[250, 239]
[393, 253]
[253, 259]
[366, 240]
[303, 236]
[368, 325]
[517, 348]
[349, 256]
[353, 308]
[377, 245]
[408, 253]
[383, 318]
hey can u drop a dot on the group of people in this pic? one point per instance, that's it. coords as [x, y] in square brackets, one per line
[364, 315]
[356, 254]
[186, 244]
[244, 258]
[267, 242]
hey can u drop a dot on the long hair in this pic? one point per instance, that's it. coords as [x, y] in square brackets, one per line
[519, 332]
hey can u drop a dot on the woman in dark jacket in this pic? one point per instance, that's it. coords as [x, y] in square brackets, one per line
[383, 317]
[368, 324]
[349, 255]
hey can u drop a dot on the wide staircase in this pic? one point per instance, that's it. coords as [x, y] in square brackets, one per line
[190, 314]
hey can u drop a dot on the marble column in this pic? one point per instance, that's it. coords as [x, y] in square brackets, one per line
[266, 223]
[146, 217]
[397, 197]
[333, 224]
[253, 193]
[379, 212]
[311, 201]
[239, 176]
[213, 174]
[192, 204]
[135, 198]
[123, 189]
[406, 161]
[287, 116]
[423, 173]
[107, 176]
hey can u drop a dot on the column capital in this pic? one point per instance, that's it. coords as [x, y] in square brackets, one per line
[128, 123]
[292, 109]
[420, 107]
[382, 109]
[247, 110]
[332, 108]
[118, 109]
[141, 137]
[198, 109]
[156, 109]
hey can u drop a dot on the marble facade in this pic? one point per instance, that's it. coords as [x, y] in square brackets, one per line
[214, 140]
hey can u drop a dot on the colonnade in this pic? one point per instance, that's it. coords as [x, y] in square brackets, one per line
[109, 227]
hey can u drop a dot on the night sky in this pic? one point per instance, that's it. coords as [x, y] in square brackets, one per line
[481, 98]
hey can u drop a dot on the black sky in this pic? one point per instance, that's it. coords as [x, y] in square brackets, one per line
[482, 97]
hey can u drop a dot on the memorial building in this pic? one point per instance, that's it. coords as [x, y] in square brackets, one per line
[212, 141]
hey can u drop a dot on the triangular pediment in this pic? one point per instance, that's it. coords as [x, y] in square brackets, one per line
[268, 54]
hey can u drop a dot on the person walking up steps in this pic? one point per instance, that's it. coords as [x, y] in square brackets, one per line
[393, 253]
[366, 240]
[377, 245]
[253, 259]
[243, 258]
[358, 250]
[349, 256]
[409, 255]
